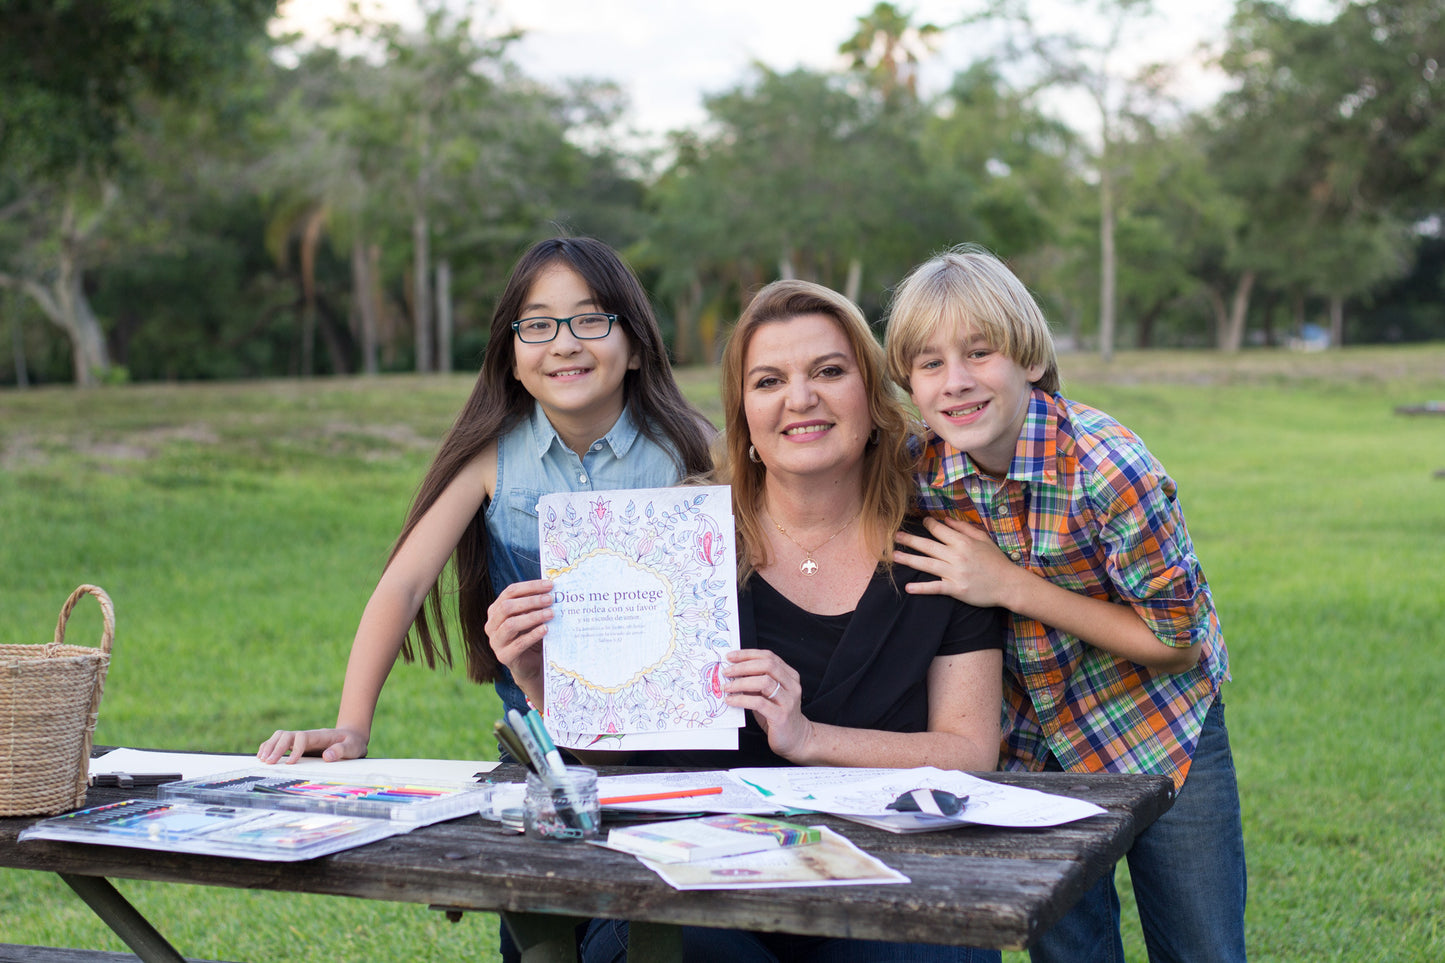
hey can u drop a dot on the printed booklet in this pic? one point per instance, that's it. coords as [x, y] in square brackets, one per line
[257, 814]
[184, 827]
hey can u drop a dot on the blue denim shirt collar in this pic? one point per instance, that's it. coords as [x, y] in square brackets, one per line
[620, 438]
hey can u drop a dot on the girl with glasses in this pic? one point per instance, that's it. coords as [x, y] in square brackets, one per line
[575, 393]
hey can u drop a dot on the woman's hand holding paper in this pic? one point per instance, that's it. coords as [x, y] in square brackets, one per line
[759, 680]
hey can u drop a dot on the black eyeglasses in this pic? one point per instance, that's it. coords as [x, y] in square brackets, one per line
[584, 327]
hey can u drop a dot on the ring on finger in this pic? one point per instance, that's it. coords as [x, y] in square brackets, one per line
[777, 687]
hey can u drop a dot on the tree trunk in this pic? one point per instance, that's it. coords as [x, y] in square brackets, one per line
[310, 241]
[854, 284]
[388, 320]
[786, 271]
[1337, 321]
[363, 293]
[444, 315]
[64, 303]
[1107, 257]
[17, 342]
[421, 291]
[1220, 313]
[1231, 335]
[337, 335]
[1266, 314]
[88, 349]
[1147, 319]
[686, 308]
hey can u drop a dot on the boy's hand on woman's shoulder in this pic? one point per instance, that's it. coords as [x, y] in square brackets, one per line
[967, 563]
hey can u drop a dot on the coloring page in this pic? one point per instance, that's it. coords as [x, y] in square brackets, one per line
[644, 608]
[869, 791]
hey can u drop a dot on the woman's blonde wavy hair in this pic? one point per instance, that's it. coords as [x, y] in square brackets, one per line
[887, 462]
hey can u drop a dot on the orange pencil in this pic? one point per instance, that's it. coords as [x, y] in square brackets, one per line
[649, 796]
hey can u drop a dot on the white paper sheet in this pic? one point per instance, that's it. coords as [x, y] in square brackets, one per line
[869, 791]
[647, 741]
[196, 765]
[736, 796]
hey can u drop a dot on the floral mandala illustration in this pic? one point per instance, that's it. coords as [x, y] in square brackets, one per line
[646, 654]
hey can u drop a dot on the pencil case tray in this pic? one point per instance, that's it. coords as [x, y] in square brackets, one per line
[418, 802]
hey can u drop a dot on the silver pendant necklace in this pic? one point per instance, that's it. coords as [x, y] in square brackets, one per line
[809, 565]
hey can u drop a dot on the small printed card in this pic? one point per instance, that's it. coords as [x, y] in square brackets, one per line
[709, 837]
[644, 610]
[835, 861]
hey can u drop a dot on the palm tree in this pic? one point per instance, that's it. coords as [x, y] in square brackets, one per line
[887, 48]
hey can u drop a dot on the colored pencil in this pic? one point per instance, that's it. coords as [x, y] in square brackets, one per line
[649, 796]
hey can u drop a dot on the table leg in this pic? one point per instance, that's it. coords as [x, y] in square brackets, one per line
[653, 943]
[127, 922]
[543, 937]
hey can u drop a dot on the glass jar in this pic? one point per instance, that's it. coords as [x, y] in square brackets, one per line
[565, 807]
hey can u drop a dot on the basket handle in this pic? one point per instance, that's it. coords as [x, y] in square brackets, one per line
[107, 612]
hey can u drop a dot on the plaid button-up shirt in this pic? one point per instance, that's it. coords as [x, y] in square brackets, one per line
[1087, 507]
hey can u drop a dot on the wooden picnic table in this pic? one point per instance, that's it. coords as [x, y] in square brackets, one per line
[977, 886]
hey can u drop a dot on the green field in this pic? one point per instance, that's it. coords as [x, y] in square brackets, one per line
[240, 527]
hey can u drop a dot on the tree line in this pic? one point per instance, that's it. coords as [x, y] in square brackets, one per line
[185, 196]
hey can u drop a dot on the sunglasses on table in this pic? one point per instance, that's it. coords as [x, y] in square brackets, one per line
[934, 802]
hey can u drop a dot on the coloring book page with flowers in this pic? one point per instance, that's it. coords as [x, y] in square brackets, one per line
[644, 607]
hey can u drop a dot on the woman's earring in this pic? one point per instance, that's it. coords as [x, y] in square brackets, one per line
[753, 456]
[875, 435]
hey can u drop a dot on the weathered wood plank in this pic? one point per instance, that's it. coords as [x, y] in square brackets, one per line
[23, 953]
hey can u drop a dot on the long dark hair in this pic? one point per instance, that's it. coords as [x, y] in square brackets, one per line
[499, 401]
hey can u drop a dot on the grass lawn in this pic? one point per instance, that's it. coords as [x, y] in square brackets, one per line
[240, 528]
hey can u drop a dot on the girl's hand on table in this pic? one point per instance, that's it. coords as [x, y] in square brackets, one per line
[516, 624]
[335, 745]
[760, 681]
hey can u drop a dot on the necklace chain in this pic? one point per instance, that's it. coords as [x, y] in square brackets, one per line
[809, 566]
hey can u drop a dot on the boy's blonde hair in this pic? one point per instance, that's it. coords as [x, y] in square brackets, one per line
[969, 288]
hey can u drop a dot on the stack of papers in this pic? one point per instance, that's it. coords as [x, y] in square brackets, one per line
[862, 795]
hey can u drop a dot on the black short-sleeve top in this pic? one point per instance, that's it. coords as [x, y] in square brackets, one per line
[866, 669]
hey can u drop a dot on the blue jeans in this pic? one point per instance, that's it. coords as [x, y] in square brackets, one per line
[1188, 874]
[606, 942]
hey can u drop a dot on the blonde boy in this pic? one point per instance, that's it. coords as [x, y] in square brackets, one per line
[1056, 512]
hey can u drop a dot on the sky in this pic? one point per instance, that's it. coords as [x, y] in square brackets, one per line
[668, 54]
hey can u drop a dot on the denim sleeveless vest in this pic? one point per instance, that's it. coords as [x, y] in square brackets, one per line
[532, 460]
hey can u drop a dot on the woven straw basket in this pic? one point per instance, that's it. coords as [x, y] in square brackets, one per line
[49, 700]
